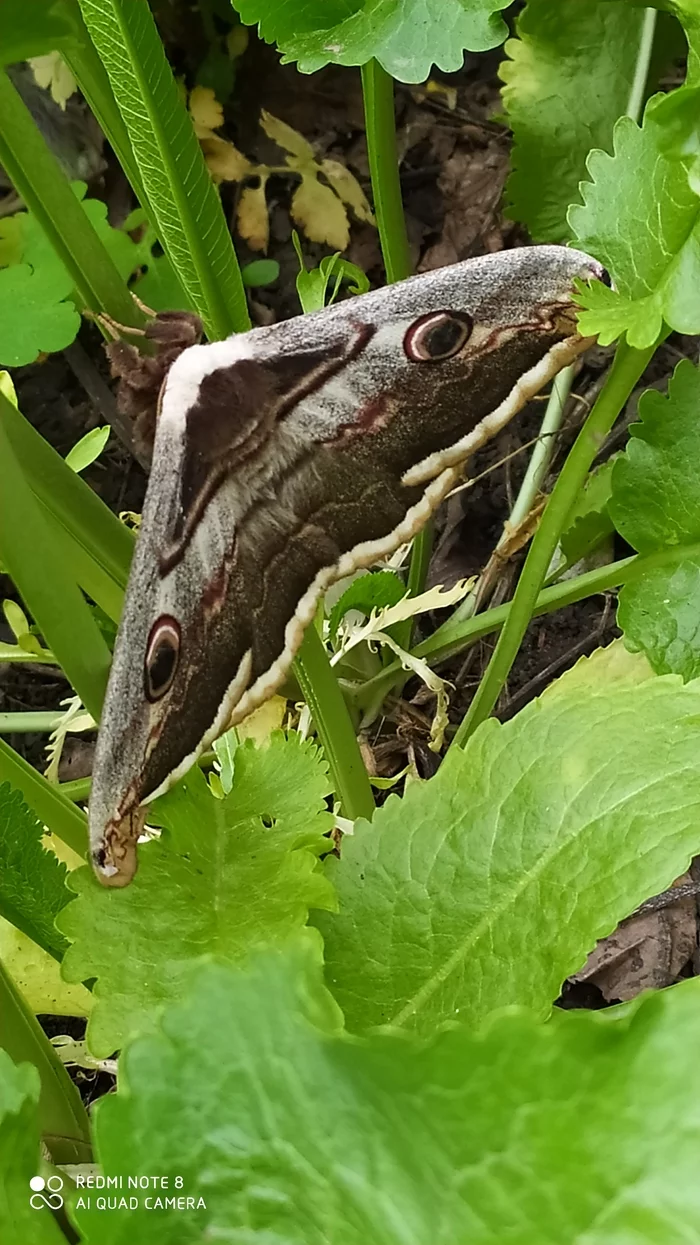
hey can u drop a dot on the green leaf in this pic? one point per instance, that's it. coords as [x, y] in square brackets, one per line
[260, 272]
[656, 505]
[48, 290]
[34, 554]
[20, 1158]
[38, 251]
[47, 192]
[184, 201]
[642, 219]
[366, 593]
[583, 1130]
[32, 881]
[11, 239]
[567, 81]
[589, 523]
[95, 545]
[228, 875]
[34, 29]
[488, 885]
[88, 448]
[406, 36]
[36, 315]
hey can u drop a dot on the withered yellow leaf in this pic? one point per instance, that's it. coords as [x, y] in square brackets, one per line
[52, 72]
[320, 213]
[260, 724]
[287, 138]
[206, 111]
[224, 161]
[347, 187]
[252, 218]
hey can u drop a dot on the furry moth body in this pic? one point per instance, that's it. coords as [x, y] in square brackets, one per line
[285, 458]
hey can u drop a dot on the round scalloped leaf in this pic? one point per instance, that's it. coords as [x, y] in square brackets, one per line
[407, 37]
[568, 80]
[36, 315]
[641, 218]
[655, 505]
[226, 875]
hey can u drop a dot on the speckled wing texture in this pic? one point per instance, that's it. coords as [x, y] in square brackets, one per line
[284, 459]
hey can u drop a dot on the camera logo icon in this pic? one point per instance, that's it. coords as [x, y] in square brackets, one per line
[46, 1192]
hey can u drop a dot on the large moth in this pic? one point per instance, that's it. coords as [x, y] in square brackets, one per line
[284, 459]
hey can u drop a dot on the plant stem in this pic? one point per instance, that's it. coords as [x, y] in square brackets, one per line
[23, 723]
[635, 102]
[62, 1117]
[627, 367]
[330, 713]
[47, 193]
[49, 803]
[543, 450]
[380, 126]
[455, 636]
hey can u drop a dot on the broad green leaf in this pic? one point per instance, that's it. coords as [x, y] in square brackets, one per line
[642, 219]
[35, 29]
[32, 880]
[366, 593]
[567, 81]
[589, 523]
[184, 201]
[488, 885]
[656, 505]
[227, 875]
[20, 1158]
[585, 1131]
[38, 976]
[406, 36]
[36, 315]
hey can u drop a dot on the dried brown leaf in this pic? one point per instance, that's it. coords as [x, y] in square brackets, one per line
[320, 213]
[347, 187]
[647, 951]
[251, 216]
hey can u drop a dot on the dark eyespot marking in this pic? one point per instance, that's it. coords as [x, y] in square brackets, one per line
[162, 657]
[436, 336]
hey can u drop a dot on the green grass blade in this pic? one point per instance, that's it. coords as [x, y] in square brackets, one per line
[98, 545]
[47, 193]
[334, 725]
[33, 557]
[62, 1117]
[51, 806]
[191, 223]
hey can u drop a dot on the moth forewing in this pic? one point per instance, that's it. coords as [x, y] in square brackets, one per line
[284, 459]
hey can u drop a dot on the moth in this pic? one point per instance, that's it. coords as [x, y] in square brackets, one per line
[284, 459]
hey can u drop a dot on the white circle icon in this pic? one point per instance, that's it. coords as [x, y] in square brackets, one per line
[37, 1183]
